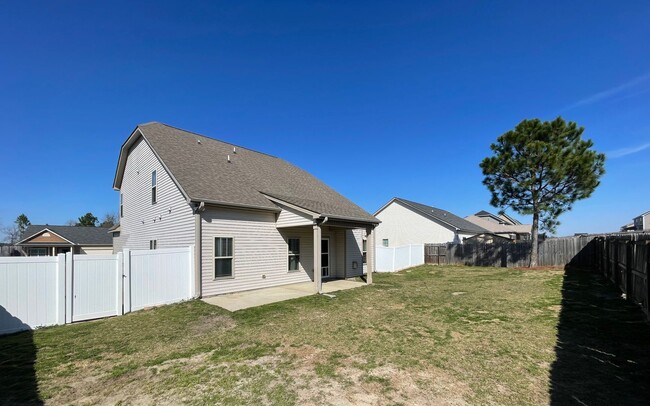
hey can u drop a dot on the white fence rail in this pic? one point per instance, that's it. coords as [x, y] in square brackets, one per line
[393, 259]
[44, 291]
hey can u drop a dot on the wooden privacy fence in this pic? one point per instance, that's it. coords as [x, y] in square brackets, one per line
[552, 252]
[625, 262]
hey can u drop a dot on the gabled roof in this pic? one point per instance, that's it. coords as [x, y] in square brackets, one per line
[75, 235]
[200, 167]
[438, 215]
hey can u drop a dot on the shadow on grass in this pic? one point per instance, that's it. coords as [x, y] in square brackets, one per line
[603, 345]
[17, 357]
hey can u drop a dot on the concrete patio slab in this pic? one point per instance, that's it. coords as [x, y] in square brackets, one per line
[253, 298]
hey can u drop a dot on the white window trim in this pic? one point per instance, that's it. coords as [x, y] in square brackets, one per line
[289, 253]
[214, 257]
[154, 186]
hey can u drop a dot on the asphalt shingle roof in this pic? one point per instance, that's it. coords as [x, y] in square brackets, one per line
[442, 215]
[200, 165]
[77, 235]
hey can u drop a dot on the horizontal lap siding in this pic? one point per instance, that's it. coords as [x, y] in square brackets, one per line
[402, 226]
[174, 222]
[306, 237]
[292, 218]
[353, 251]
[259, 250]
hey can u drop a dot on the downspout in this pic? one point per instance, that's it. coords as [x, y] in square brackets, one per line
[198, 209]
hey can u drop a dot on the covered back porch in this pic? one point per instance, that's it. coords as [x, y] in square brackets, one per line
[329, 249]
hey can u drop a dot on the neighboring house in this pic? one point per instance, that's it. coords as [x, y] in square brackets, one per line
[46, 240]
[253, 218]
[404, 222]
[501, 225]
[639, 223]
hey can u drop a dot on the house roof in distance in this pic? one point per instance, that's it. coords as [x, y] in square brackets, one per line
[501, 227]
[220, 173]
[76, 235]
[438, 215]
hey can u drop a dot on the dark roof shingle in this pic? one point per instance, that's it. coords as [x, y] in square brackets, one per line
[76, 235]
[204, 173]
[442, 215]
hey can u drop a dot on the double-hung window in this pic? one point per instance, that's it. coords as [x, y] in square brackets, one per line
[153, 187]
[121, 205]
[294, 254]
[223, 257]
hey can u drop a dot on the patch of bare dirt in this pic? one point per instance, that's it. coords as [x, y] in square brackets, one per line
[380, 386]
[208, 324]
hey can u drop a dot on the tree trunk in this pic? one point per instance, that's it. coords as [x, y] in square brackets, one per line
[535, 240]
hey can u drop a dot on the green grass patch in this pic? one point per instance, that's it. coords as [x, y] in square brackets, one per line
[440, 334]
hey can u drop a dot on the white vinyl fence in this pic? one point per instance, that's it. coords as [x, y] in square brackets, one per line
[393, 259]
[44, 291]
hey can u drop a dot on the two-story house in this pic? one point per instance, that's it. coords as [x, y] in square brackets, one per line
[255, 220]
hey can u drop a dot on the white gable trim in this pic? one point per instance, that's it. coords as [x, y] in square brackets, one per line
[41, 232]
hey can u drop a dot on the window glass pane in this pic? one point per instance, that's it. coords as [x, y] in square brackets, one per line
[294, 260]
[153, 194]
[385, 242]
[365, 244]
[324, 260]
[223, 247]
[324, 245]
[228, 247]
[153, 179]
[294, 246]
[222, 267]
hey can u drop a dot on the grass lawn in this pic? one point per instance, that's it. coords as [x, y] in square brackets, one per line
[430, 335]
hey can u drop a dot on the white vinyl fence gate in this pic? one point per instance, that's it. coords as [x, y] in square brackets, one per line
[44, 291]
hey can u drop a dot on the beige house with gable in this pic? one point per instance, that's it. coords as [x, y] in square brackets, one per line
[255, 220]
[51, 240]
[501, 225]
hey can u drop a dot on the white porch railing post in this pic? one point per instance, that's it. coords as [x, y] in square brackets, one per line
[60, 289]
[126, 270]
[371, 254]
[318, 282]
[69, 274]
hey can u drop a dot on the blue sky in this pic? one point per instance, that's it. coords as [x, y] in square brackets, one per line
[377, 99]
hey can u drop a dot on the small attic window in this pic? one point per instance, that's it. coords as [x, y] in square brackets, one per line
[153, 187]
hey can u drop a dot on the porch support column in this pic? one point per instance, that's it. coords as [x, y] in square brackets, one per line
[318, 282]
[371, 250]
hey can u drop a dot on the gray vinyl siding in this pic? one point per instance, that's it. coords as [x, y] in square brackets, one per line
[292, 218]
[260, 251]
[353, 251]
[174, 223]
